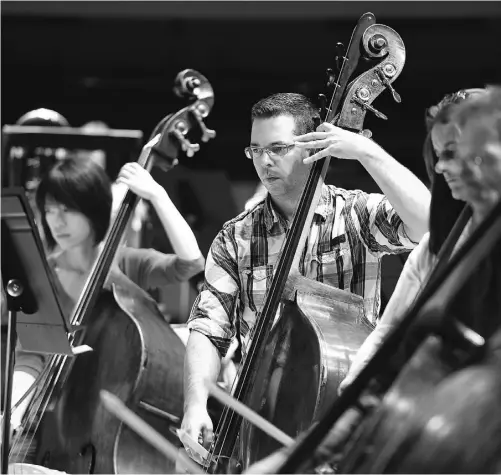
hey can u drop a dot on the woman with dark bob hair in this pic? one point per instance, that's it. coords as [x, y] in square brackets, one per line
[75, 200]
[74, 203]
[78, 185]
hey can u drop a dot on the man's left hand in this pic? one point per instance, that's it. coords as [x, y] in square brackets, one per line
[334, 141]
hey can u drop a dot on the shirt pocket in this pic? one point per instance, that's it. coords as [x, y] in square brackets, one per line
[257, 281]
[333, 267]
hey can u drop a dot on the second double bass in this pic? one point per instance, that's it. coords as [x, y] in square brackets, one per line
[135, 354]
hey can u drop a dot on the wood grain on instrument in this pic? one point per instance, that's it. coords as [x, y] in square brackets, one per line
[122, 412]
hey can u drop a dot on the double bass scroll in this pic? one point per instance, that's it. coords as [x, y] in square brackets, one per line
[384, 50]
[175, 128]
[383, 44]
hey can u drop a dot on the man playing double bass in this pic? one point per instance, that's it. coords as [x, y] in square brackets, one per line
[351, 232]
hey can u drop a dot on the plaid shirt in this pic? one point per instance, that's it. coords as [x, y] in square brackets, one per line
[350, 233]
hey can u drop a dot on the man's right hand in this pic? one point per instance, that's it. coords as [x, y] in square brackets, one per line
[198, 425]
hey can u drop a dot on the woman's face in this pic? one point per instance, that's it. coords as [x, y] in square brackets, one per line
[479, 150]
[444, 138]
[69, 228]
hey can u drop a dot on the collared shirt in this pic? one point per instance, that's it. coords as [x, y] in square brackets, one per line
[351, 231]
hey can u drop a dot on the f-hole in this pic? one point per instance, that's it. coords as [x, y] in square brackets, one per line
[85, 452]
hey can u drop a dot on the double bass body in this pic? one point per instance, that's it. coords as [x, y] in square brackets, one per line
[306, 357]
[136, 355]
[139, 358]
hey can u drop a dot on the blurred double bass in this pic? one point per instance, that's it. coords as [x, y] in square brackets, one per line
[307, 331]
[135, 354]
[428, 400]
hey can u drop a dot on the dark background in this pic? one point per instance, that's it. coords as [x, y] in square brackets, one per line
[116, 62]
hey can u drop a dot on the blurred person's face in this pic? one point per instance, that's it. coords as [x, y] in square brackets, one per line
[479, 150]
[281, 175]
[444, 138]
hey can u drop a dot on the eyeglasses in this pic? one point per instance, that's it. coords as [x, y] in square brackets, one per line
[273, 151]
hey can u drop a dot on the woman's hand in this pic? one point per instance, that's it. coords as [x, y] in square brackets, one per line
[116, 276]
[335, 142]
[139, 181]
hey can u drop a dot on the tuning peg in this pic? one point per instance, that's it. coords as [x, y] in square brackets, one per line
[395, 94]
[192, 84]
[322, 110]
[366, 133]
[186, 85]
[377, 42]
[367, 106]
[200, 111]
[331, 77]
[390, 71]
[340, 56]
[180, 129]
[377, 113]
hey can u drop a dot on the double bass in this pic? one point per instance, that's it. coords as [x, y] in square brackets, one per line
[307, 331]
[135, 354]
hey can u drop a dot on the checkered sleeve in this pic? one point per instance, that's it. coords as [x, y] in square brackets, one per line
[213, 312]
[380, 227]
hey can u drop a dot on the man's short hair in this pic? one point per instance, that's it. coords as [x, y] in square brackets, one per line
[287, 103]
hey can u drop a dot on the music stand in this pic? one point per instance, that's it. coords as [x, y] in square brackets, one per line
[116, 142]
[35, 314]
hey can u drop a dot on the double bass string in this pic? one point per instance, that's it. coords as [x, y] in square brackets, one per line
[19, 446]
[257, 334]
[249, 414]
[260, 329]
[260, 326]
[26, 428]
[37, 407]
[228, 413]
